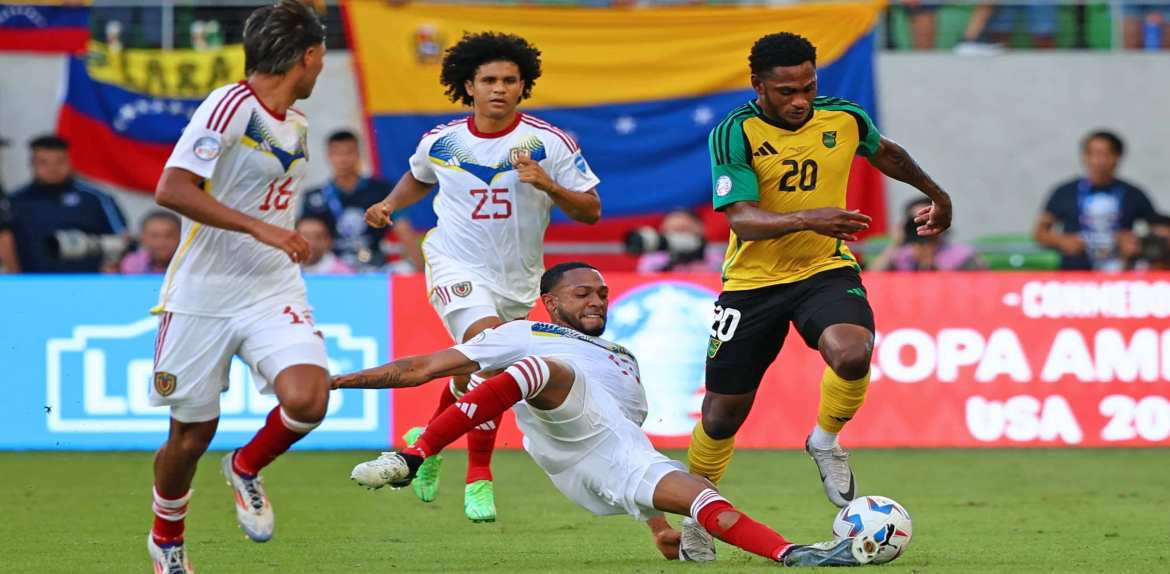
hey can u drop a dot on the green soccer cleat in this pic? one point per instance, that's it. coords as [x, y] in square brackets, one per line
[479, 501]
[426, 483]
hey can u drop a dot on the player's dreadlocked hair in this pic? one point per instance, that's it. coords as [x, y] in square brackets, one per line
[781, 49]
[276, 36]
[474, 50]
[553, 275]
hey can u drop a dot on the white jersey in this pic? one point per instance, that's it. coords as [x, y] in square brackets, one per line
[488, 221]
[253, 161]
[608, 370]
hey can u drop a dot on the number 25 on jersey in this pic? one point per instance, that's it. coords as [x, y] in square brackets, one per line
[493, 204]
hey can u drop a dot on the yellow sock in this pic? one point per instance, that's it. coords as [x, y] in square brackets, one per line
[840, 400]
[707, 456]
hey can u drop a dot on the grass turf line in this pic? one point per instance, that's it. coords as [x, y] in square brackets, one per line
[974, 511]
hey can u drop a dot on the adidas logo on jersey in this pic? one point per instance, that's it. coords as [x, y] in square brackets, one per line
[765, 149]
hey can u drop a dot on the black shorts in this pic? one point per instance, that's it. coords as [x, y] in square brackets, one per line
[750, 326]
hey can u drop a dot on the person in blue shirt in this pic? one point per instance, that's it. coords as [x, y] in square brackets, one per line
[1090, 219]
[342, 204]
[54, 202]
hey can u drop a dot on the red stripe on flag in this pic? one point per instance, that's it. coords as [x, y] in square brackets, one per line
[867, 192]
[54, 40]
[98, 152]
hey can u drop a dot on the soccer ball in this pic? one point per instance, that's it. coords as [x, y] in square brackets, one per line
[880, 517]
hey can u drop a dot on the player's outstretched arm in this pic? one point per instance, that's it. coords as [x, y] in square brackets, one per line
[894, 161]
[751, 223]
[178, 190]
[407, 192]
[409, 371]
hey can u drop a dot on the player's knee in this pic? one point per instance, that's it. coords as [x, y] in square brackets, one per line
[191, 443]
[308, 406]
[721, 426]
[850, 362]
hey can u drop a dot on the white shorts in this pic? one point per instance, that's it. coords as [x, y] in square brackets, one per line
[193, 354]
[461, 298]
[594, 455]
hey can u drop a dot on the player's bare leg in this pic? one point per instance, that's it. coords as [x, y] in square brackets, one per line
[174, 469]
[695, 497]
[846, 349]
[303, 392]
[479, 502]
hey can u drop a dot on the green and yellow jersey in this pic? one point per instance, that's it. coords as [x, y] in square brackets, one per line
[755, 159]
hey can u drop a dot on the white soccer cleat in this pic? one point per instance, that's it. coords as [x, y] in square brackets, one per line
[836, 476]
[253, 511]
[697, 544]
[389, 469]
[171, 559]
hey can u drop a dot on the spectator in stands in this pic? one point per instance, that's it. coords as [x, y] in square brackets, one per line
[907, 251]
[321, 259]
[1090, 219]
[991, 26]
[922, 17]
[62, 225]
[8, 261]
[342, 205]
[156, 244]
[1146, 27]
[679, 244]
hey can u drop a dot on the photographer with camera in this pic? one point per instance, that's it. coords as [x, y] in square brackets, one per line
[61, 225]
[1154, 244]
[679, 244]
[908, 251]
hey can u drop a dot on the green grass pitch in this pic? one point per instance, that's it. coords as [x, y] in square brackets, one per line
[974, 511]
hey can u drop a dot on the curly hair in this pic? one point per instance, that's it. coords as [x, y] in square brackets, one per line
[781, 49]
[474, 50]
[276, 36]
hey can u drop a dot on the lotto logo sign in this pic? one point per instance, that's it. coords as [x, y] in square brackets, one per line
[87, 373]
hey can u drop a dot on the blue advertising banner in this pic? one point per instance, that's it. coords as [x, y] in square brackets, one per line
[76, 361]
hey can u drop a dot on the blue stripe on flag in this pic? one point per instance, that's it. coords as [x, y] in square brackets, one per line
[129, 114]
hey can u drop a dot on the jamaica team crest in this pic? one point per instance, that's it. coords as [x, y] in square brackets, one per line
[829, 139]
[713, 347]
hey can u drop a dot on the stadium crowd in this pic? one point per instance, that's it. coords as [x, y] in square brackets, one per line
[58, 223]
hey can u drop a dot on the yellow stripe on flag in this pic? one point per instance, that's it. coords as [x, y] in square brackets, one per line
[590, 56]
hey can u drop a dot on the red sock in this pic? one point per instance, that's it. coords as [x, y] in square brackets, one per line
[481, 442]
[446, 399]
[274, 438]
[734, 527]
[486, 402]
[169, 515]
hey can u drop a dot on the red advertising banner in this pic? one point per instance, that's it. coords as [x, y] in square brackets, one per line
[960, 360]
